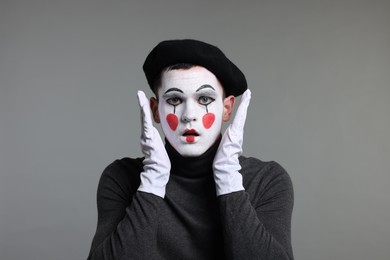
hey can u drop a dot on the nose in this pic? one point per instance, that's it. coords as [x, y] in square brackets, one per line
[189, 113]
[188, 119]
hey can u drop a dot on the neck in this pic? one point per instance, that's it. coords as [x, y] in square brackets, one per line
[192, 167]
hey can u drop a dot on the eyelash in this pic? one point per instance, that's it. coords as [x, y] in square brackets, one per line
[203, 100]
[174, 101]
[205, 103]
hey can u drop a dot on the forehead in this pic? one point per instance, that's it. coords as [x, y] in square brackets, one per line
[189, 80]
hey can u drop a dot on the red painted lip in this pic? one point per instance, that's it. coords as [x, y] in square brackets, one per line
[188, 132]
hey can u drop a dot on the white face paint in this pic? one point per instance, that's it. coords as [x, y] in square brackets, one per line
[190, 108]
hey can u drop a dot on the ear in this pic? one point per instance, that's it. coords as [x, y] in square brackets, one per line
[154, 108]
[228, 104]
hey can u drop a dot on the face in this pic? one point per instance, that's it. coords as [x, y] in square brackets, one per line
[191, 109]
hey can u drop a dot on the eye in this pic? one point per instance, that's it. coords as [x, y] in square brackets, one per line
[204, 100]
[174, 101]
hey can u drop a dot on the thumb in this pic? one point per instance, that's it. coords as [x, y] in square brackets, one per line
[239, 120]
[146, 118]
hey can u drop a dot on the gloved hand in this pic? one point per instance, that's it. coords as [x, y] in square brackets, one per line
[226, 165]
[157, 165]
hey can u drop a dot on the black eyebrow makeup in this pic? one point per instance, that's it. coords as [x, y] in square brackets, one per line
[173, 89]
[205, 86]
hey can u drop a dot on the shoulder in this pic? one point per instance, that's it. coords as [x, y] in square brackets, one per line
[253, 167]
[264, 177]
[122, 173]
[125, 166]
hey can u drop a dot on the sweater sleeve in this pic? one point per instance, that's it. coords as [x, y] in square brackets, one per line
[127, 219]
[256, 222]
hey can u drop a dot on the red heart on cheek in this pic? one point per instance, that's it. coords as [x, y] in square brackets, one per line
[208, 120]
[173, 121]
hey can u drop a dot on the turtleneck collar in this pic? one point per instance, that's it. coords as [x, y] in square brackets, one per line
[192, 167]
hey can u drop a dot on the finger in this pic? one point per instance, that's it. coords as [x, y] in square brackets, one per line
[142, 100]
[240, 117]
[146, 118]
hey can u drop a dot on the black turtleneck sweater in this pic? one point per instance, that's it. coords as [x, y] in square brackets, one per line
[191, 222]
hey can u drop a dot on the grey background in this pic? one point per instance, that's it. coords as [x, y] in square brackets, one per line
[318, 70]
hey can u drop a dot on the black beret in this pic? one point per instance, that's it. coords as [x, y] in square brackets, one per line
[195, 52]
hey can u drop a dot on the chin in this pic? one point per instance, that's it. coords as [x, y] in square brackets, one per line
[190, 151]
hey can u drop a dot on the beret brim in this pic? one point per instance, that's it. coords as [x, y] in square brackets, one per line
[199, 53]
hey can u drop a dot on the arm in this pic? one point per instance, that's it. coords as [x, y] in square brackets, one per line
[251, 231]
[257, 222]
[128, 219]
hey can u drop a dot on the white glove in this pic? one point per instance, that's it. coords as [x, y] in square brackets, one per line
[157, 165]
[226, 165]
